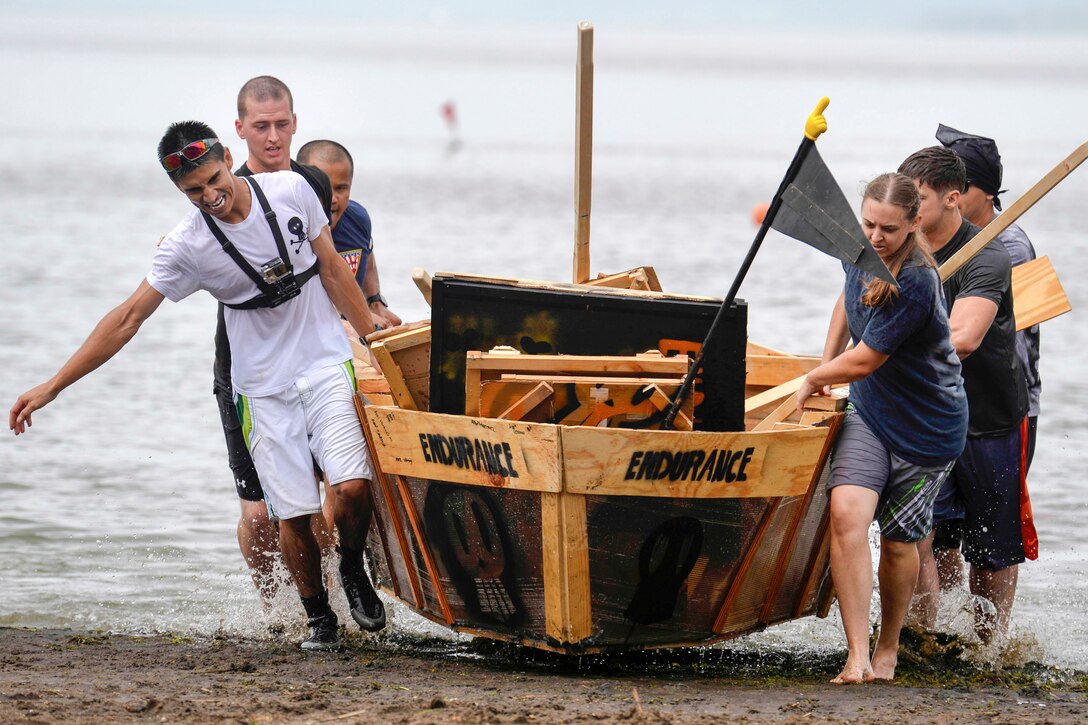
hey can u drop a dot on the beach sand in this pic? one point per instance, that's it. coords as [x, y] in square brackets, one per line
[64, 676]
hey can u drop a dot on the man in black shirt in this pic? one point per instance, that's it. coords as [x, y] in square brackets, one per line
[980, 504]
[267, 122]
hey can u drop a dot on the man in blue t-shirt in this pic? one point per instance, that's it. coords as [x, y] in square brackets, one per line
[351, 229]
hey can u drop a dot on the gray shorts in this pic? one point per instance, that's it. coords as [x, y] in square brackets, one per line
[906, 490]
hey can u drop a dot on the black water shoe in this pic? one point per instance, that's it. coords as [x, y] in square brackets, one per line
[324, 634]
[366, 608]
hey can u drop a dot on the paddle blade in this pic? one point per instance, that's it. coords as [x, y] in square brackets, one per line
[815, 211]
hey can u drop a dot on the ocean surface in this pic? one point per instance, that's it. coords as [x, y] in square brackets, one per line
[117, 510]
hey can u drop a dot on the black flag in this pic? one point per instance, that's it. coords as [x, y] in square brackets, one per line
[815, 211]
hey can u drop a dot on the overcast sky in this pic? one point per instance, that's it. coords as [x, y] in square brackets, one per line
[1037, 17]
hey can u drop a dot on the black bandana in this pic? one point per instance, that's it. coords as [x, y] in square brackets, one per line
[979, 154]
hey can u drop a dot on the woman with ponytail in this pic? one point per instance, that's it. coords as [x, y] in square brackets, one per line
[906, 422]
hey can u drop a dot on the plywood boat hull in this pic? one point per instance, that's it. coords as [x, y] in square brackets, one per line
[581, 539]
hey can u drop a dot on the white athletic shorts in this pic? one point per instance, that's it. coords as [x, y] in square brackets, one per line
[315, 417]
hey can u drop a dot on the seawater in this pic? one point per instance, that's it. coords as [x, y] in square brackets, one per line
[117, 510]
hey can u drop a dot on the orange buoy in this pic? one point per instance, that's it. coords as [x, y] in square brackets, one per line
[759, 211]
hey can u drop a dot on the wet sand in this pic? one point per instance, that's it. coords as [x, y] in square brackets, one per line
[64, 676]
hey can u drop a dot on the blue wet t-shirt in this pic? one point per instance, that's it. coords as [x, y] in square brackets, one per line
[915, 402]
[352, 237]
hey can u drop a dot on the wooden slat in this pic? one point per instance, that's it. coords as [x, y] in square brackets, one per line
[397, 525]
[643, 278]
[651, 364]
[405, 361]
[583, 150]
[538, 394]
[778, 415]
[786, 551]
[572, 287]
[423, 283]
[424, 548]
[773, 395]
[736, 585]
[576, 559]
[567, 596]
[1037, 293]
[821, 549]
[472, 451]
[754, 348]
[606, 461]
[777, 369]
[398, 386]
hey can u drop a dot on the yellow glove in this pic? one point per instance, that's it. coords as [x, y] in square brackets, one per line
[816, 123]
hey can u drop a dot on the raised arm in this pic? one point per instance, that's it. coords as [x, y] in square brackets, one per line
[340, 285]
[107, 338]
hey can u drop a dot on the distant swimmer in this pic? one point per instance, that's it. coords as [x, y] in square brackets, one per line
[262, 247]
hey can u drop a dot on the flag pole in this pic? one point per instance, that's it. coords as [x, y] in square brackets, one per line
[814, 126]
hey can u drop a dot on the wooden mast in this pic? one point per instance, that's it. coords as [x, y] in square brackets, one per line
[583, 150]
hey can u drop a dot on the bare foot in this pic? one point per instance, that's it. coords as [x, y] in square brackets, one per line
[884, 662]
[854, 673]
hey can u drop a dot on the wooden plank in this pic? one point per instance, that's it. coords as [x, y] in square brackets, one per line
[834, 403]
[649, 364]
[424, 548]
[778, 415]
[663, 401]
[786, 551]
[588, 380]
[397, 525]
[398, 386]
[737, 583]
[576, 561]
[773, 395]
[422, 280]
[643, 278]
[814, 417]
[620, 462]
[538, 394]
[1037, 293]
[822, 548]
[583, 150]
[405, 359]
[754, 348]
[461, 449]
[774, 370]
[572, 287]
[582, 401]
[1013, 212]
[555, 590]
[567, 595]
[397, 331]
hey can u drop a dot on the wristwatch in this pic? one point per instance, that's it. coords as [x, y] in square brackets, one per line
[376, 298]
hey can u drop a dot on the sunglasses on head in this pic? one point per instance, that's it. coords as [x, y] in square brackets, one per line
[192, 152]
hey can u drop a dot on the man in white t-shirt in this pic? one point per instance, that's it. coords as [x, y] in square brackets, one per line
[262, 247]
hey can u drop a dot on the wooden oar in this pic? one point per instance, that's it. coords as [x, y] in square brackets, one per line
[1010, 215]
[583, 151]
[1043, 282]
[1037, 293]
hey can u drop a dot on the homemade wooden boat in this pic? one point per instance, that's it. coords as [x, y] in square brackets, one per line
[526, 491]
[558, 514]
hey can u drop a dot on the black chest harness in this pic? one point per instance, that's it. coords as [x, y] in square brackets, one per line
[279, 283]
